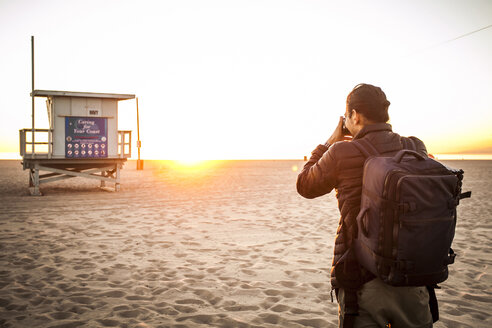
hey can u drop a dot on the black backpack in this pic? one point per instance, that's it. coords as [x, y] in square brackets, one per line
[407, 219]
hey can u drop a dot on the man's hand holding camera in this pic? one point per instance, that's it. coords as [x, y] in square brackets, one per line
[341, 133]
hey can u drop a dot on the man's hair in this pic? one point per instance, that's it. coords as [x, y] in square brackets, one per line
[369, 101]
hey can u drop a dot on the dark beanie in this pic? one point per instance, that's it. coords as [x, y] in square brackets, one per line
[370, 101]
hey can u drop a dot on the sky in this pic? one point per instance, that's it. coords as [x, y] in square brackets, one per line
[267, 79]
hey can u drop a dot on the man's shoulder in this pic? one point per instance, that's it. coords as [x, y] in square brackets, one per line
[415, 143]
[390, 142]
[415, 139]
[342, 149]
[341, 146]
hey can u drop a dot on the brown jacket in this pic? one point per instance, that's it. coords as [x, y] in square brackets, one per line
[340, 167]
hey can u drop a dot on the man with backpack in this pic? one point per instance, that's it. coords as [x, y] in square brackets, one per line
[377, 281]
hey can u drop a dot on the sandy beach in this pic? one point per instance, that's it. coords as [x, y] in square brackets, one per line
[231, 244]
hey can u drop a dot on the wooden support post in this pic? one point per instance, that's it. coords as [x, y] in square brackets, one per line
[117, 183]
[139, 143]
[32, 97]
[31, 178]
[103, 183]
[34, 178]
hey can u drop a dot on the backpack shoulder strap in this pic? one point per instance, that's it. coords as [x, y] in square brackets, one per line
[365, 147]
[408, 143]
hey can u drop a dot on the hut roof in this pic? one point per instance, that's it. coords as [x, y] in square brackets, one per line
[54, 93]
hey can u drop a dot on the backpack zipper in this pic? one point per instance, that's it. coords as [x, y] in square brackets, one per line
[410, 175]
[421, 221]
[387, 228]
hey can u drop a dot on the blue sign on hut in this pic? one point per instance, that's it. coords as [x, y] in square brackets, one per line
[83, 139]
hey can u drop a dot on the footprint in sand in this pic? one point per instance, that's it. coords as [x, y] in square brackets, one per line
[4, 302]
[237, 308]
[238, 252]
[280, 308]
[194, 276]
[109, 322]
[289, 294]
[269, 302]
[305, 262]
[292, 274]
[200, 319]
[158, 291]
[121, 308]
[289, 284]
[51, 292]
[129, 313]
[68, 324]
[207, 296]
[184, 309]
[79, 309]
[270, 318]
[34, 301]
[316, 323]
[113, 293]
[318, 285]
[166, 311]
[190, 301]
[214, 270]
[271, 292]
[301, 311]
[246, 286]
[324, 297]
[48, 269]
[82, 299]
[60, 315]
[82, 275]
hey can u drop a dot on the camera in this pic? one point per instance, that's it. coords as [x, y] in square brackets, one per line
[345, 131]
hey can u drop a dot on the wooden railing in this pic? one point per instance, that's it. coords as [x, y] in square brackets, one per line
[125, 143]
[45, 148]
[24, 142]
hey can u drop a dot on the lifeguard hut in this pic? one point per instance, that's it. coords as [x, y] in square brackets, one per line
[82, 140]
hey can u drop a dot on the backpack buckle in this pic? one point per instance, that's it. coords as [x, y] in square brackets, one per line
[451, 256]
[465, 195]
[453, 202]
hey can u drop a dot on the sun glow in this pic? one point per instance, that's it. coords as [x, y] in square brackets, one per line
[189, 162]
[192, 166]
